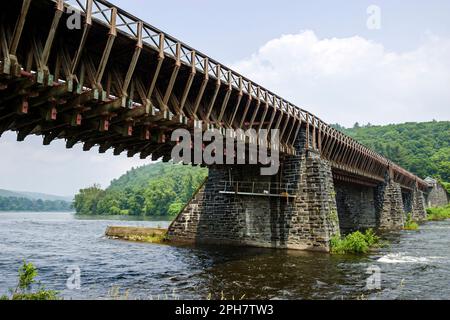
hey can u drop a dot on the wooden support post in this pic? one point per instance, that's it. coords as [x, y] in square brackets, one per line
[133, 63]
[277, 126]
[341, 158]
[201, 92]
[334, 144]
[239, 99]
[266, 110]
[274, 113]
[51, 35]
[307, 132]
[190, 80]
[87, 27]
[161, 57]
[319, 136]
[257, 107]
[17, 34]
[107, 51]
[288, 138]
[247, 106]
[173, 77]
[286, 122]
[314, 139]
[329, 142]
[216, 92]
[226, 99]
[297, 131]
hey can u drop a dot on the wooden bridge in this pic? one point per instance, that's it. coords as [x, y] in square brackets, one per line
[118, 82]
[88, 72]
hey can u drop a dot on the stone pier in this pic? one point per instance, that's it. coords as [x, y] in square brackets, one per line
[306, 220]
[389, 205]
[418, 211]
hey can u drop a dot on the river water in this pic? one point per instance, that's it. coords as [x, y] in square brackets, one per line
[416, 265]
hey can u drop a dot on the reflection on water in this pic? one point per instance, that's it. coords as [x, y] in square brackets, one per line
[415, 266]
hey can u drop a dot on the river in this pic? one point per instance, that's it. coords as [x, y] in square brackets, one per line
[416, 264]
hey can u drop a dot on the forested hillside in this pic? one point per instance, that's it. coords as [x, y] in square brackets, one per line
[422, 148]
[153, 190]
[163, 189]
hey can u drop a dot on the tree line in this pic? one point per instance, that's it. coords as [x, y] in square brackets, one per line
[39, 205]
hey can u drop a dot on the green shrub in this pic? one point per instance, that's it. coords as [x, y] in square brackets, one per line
[439, 214]
[27, 275]
[410, 224]
[354, 243]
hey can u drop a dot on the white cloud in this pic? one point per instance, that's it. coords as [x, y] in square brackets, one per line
[353, 79]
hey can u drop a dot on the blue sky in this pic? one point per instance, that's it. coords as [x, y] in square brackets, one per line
[319, 55]
[232, 30]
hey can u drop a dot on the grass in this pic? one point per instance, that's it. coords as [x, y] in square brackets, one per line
[354, 243]
[411, 225]
[439, 214]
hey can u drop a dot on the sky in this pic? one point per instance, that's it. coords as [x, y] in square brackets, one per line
[342, 61]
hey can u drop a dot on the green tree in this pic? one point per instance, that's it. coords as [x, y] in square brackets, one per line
[87, 199]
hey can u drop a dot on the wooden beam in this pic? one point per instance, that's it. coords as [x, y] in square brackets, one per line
[189, 82]
[107, 51]
[216, 92]
[18, 30]
[173, 77]
[134, 61]
[51, 35]
[87, 27]
[201, 92]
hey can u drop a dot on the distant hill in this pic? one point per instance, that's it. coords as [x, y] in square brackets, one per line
[33, 195]
[32, 201]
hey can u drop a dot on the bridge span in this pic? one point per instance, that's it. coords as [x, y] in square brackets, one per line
[88, 72]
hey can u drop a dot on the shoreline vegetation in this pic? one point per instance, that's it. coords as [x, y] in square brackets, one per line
[439, 214]
[11, 204]
[355, 243]
[410, 224]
